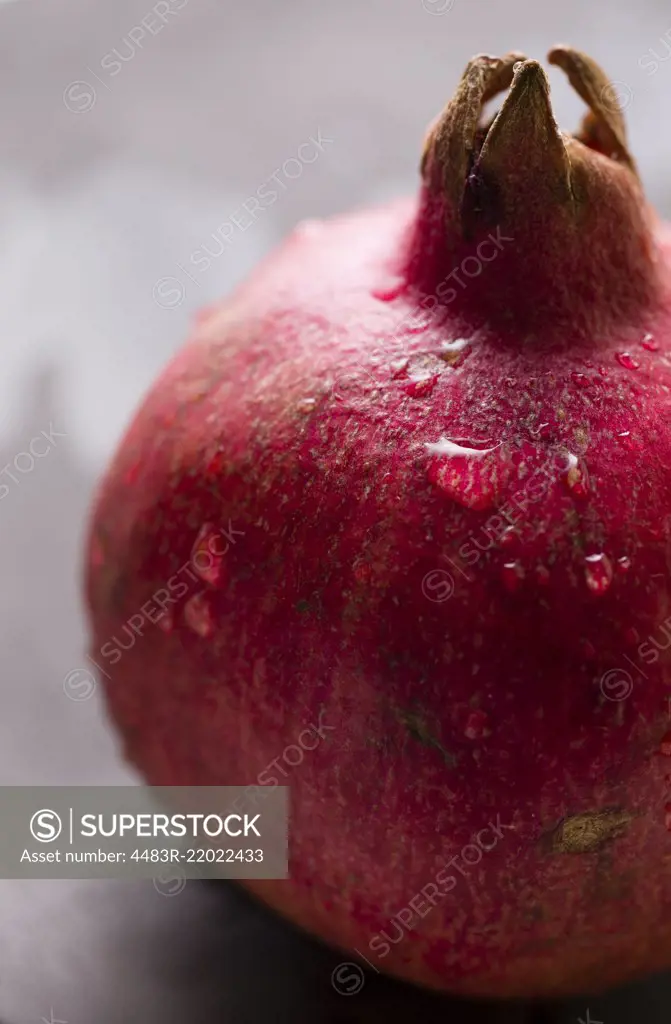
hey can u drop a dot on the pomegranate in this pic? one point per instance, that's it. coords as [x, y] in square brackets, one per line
[393, 530]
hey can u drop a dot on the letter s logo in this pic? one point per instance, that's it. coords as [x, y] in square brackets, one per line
[45, 826]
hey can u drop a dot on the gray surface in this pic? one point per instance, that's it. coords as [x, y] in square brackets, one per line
[95, 207]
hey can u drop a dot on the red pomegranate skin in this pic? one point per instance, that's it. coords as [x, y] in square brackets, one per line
[440, 608]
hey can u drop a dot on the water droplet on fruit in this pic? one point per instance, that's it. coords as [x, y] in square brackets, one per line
[627, 360]
[665, 745]
[623, 564]
[207, 555]
[512, 575]
[456, 345]
[575, 477]
[476, 725]
[580, 379]
[198, 615]
[454, 352]
[390, 291]
[626, 440]
[545, 431]
[398, 368]
[455, 449]
[471, 476]
[650, 344]
[306, 404]
[422, 385]
[598, 573]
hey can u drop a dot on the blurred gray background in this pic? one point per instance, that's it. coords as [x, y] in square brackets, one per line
[114, 169]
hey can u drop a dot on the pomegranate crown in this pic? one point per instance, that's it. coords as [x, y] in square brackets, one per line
[581, 244]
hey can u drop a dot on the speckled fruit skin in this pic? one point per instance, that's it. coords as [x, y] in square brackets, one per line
[450, 566]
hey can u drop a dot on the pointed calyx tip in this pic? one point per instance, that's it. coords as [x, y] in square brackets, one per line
[580, 248]
[604, 126]
[467, 160]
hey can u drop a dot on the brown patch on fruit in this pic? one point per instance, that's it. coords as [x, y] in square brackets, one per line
[581, 438]
[587, 833]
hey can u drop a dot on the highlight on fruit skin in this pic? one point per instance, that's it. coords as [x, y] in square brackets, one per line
[436, 437]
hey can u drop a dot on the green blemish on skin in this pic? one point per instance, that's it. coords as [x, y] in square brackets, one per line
[419, 731]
